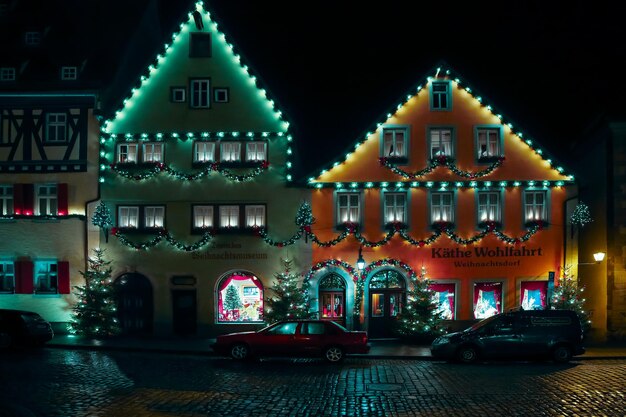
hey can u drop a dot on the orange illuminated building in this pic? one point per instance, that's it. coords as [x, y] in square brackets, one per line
[444, 184]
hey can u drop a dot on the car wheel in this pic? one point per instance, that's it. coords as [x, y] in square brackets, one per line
[333, 354]
[467, 354]
[562, 354]
[240, 351]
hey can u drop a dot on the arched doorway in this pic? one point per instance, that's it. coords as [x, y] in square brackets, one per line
[387, 296]
[135, 305]
[332, 296]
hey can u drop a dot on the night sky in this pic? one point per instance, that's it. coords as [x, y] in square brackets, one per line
[336, 67]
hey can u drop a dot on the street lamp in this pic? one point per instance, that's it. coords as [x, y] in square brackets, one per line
[598, 257]
[360, 262]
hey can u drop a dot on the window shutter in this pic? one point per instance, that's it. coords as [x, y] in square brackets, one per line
[28, 199]
[62, 199]
[63, 271]
[24, 277]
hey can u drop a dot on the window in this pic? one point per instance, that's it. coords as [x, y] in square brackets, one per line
[255, 151]
[284, 328]
[313, 328]
[152, 152]
[443, 295]
[394, 142]
[7, 74]
[56, 127]
[200, 45]
[46, 277]
[533, 295]
[7, 276]
[6, 200]
[229, 216]
[202, 216]
[489, 207]
[535, 206]
[440, 98]
[69, 73]
[200, 94]
[240, 299]
[32, 38]
[395, 207]
[255, 216]
[127, 153]
[220, 95]
[441, 207]
[488, 143]
[204, 152]
[128, 216]
[348, 208]
[154, 217]
[487, 299]
[47, 200]
[440, 142]
[178, 94]
[230, 151]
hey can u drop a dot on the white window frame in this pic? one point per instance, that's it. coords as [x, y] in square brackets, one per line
[7, 74]
[394, 142]
[127, 153]
[230, 151]
[489, 206]
[69, 73]
[486, 136]
[436, 96]
[348, 208]
[200, 92]
[152, 152]
[6, 200]
[395, 208]
[46, 277]
[175, 90]
[442, 138]
[128, 217]
[216, 93]
[534, 211]
[56, 127]
[203, 217]
[153, 217]
[204, 152]
[256, 151]
[7, 276]
[442, 210]
[47, 199]
[229, 216]
[32, 38]
[255, 216]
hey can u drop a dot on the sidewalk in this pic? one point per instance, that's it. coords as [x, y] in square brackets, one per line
[380, 349]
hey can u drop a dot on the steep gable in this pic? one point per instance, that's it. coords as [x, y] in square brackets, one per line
[368, 164]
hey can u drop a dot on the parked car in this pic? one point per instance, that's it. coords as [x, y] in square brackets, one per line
[304, 338]
[23, 328]
[520, 334]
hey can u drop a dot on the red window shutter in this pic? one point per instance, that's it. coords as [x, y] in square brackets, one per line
[63, 271]
[28, 199]
[18, 198]
[62, 199]
[24, 277]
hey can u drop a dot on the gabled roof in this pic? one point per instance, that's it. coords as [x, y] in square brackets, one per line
[442, 68]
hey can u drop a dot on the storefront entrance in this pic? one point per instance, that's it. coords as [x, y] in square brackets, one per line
[332, 298]
[135, 310]
[387, 291]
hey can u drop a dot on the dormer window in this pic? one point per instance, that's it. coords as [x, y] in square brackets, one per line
[69, 73]
[32, 38]
[7, 74]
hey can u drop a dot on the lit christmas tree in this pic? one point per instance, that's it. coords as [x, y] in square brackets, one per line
[95, 312]
[232, 301]
[304, 219]
[290, 301]
[568, 296]
[102, 219]
[420, 317]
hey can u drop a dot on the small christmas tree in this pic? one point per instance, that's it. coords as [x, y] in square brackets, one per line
[95, 312]
[232, 301]
[102, 219]
[568, 296]
[291, 300]
[420, 318]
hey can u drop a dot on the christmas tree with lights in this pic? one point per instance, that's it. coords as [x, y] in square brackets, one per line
[232, 301]
[95, 312]
[420, 319]
[569, 296]
[290, 300]
[102, 219]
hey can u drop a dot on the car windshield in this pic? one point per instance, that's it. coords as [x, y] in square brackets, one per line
[339, 325]
[483, 322]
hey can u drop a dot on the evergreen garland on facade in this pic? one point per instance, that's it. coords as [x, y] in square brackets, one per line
[290, 300]
[569, 296]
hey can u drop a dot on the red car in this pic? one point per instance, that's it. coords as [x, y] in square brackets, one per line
[294, 338]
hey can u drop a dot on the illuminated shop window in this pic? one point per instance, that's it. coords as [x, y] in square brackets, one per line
[395, 207]
[332, 297]
[535, 206]
[152, 152]
[489, 206]
[395, 142]
[202, 216]
[533, 295]
[440, 142]
[487, 299]
[204, 152]
[240, 299]
[442, 207]
[348, 208]
[444, 295]
[127, 153]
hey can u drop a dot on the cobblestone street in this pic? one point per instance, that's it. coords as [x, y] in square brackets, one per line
[84, 383]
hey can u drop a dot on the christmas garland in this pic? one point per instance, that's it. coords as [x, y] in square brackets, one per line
[436, 162]
[163, 234]
[160, 167]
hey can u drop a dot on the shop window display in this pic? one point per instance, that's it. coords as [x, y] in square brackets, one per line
[332, 297]
[444, 295]
[487, 299]
[240, 299]
[533, 295]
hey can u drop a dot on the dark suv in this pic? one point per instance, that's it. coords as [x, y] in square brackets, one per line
[23, 328]
[520, 334]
